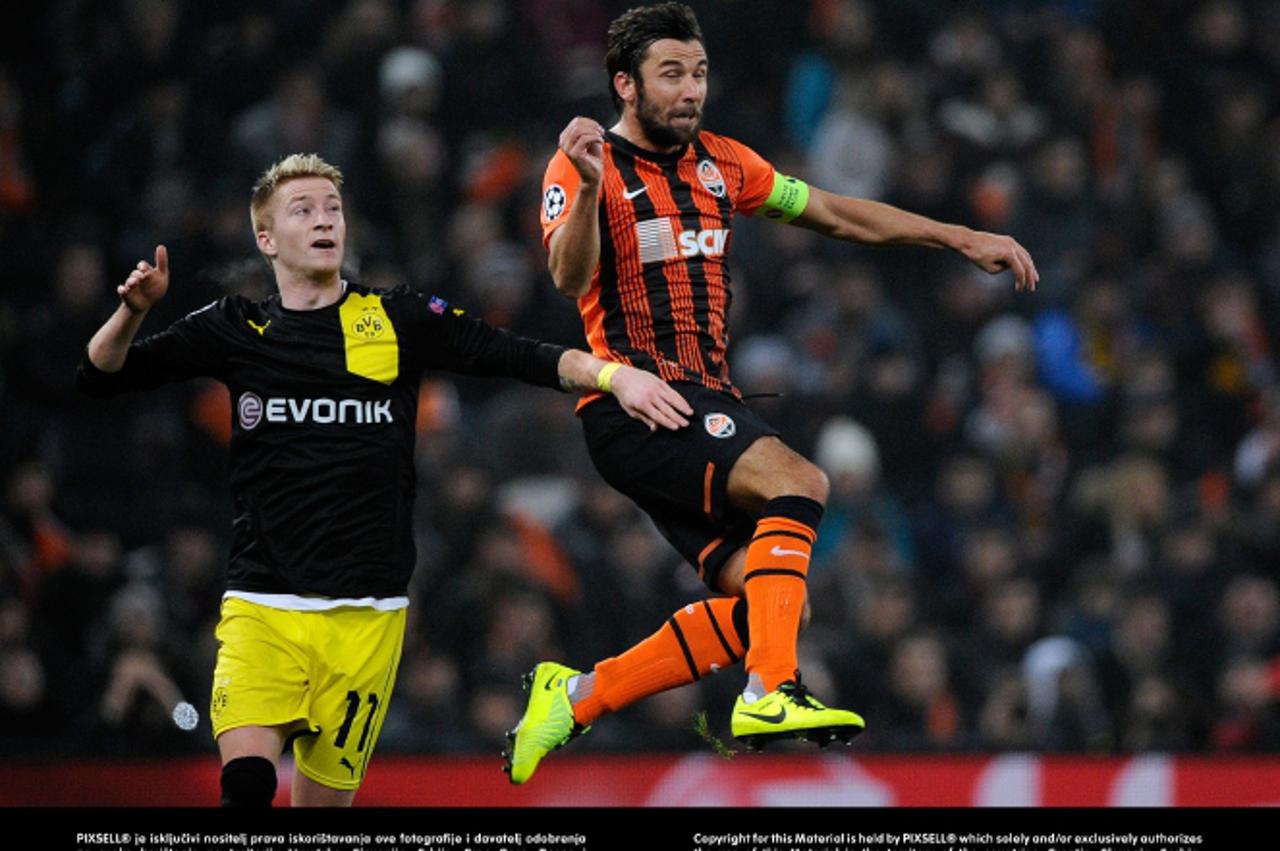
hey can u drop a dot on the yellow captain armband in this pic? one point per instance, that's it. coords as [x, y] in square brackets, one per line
[788, 199]
[604, 381]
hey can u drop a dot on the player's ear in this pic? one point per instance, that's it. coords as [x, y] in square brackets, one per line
[625, 85]
[266, 243]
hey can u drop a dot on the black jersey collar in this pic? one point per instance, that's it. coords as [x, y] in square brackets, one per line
[275, 300]
[636, 151]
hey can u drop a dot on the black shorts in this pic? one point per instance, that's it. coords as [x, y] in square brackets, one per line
[680, 478]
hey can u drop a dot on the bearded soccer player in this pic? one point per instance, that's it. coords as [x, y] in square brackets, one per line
[637, 222]
[324, 379]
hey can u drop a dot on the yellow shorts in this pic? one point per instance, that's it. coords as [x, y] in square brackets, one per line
[325, 675]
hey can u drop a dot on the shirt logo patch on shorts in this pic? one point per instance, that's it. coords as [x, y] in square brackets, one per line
[719, 425]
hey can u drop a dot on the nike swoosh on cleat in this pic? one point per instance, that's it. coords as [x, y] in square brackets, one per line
[779, 551]
[776, 718]
[634, 193]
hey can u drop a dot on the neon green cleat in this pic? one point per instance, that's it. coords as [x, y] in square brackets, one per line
[790, 712]
[547, 723]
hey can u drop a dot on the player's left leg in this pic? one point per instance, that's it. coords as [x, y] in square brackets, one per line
[309, 793]
[699, 639]
[355, 653]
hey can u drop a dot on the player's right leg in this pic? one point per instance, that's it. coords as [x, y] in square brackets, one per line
[259, 697]
[249, 756]
[788, 495]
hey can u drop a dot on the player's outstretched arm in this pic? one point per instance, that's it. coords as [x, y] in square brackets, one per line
[643, 395]
[145, 286]
[876, 223]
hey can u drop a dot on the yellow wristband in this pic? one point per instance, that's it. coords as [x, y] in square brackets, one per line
[606, 376]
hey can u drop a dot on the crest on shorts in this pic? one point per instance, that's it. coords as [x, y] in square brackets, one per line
[219, 702]
[719, 425]
[710, 177]
[553, 201]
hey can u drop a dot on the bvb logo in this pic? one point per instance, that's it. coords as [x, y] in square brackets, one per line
[369, 325]
[219, 701]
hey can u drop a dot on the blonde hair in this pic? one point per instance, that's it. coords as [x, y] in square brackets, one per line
[289, 168]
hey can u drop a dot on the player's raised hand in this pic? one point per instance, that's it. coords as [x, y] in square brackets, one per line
[583, 142]
[994, 253]
[649, 399]
[147, 283]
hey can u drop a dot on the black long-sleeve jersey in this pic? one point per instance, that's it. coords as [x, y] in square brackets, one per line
[323, 410]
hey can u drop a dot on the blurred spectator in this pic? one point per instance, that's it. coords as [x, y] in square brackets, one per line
[30, 729]
[996, 122]
[852, 152]
[1248, 708]
[1064, 697]
[297, 116]
[1155, 718]
[967, 498]
[847, 453]
[1261, 524]
[1002, 720]
[427, 713]
[1057, 215]
[38, 541]
[921, 709]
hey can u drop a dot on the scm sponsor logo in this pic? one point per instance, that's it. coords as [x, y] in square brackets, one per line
[708, 243]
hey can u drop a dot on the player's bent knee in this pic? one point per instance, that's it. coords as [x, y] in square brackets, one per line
[805, 479]
[248, 781]
[817, 485]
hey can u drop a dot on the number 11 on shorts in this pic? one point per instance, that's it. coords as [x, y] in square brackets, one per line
[353, 708]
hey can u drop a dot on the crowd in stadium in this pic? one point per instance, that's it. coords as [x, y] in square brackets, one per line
[1055, 517]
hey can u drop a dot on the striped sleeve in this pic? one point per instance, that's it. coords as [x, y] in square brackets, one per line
[757, 177]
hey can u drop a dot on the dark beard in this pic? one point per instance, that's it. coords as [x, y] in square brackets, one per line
[663, 135]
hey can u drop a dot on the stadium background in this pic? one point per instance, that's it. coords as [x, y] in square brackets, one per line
[1054, 531]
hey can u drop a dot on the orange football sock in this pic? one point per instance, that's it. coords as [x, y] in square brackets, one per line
[774, 576]
[697, 640]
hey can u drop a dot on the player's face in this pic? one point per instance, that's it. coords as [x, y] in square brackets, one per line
[308, 232]
[671, 91]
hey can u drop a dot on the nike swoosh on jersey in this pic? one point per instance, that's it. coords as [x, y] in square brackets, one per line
[261, 329]
[779, 551]
[775, 718]
[629, 194]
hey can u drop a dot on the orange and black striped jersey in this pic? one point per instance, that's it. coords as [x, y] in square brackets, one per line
[660, 296]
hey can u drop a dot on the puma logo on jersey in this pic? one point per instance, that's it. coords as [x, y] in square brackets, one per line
[261, 329]
[659, 241]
